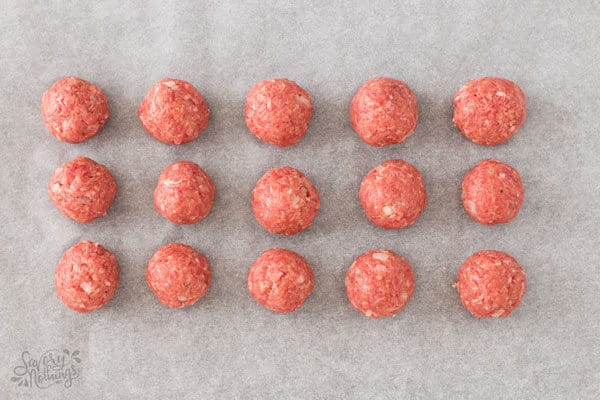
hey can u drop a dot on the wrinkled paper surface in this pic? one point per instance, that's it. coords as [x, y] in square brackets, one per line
[227, 346]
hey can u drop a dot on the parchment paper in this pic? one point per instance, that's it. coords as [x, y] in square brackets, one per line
[227, 346]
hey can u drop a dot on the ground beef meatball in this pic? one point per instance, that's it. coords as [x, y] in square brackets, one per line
[86, 277]
[393, 195]
[178, 275]
[74, 110]
[278, 111]
[379, 283]
[492, 192]
[174, 112]
[285, 201]
[281, 280]
[185, 193]
[490, 284]
[82, 189]
[489, 111]
[384, 111]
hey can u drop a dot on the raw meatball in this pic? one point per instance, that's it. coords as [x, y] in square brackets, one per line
[285, 201]
[74, 110]
[384, 111]
[379, 283]
[185, 193]
[86, 277]
[174, 112]
[489, 111]
[280, 280]
[178, 275]
[393, 195]
[490, 284]
[278, 111]
[492, 192]
[82, 189]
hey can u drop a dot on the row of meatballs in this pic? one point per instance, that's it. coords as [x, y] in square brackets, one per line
[284, 200]
[384, 111]
[379, 283]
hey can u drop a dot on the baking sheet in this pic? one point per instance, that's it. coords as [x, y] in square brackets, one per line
[227, 346]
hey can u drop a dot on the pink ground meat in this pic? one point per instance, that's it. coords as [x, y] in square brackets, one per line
[86, 277]
[393, 194]
[281, 280]
[490, 284]
[278, 111]
[285, 201]
[174, 111]
[379, 283]
[82, 189]
[384, 111]
[489, 111]
[184, 193]
[492, 192]
[74, 110]
[178, 275]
